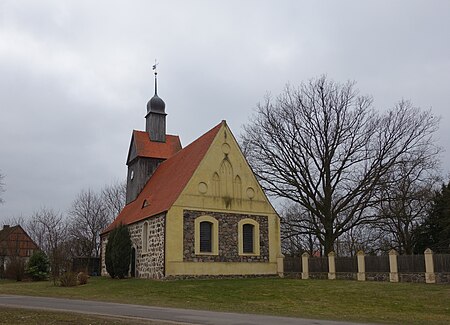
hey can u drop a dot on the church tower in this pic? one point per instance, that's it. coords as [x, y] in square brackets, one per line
[155, 124]
[150, 148]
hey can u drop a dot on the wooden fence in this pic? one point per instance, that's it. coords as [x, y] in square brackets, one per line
[88, 265]
[428, 267]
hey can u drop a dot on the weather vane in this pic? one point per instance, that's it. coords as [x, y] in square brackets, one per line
[154, 67]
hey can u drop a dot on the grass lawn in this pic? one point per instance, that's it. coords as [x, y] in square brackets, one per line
[378, 302]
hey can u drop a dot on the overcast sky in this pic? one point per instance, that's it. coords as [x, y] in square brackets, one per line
[75, 76]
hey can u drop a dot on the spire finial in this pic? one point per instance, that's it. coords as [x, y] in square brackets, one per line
[155, 104]
[156, 73]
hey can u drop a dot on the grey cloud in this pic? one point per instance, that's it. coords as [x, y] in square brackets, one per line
[75, 76]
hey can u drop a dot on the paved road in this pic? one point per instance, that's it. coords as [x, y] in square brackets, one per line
[183, 316]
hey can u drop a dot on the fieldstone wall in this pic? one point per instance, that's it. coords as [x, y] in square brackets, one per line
[150, 264]
[292, 275]
[318, 275]
[412, 277]
[104, 240]
[228, 237]
[346, 275]
[377, 276]
[443, 277]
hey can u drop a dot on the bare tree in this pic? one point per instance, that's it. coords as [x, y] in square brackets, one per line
[296, 237]
[405, 203]
[49, 230]
[88, 217]
[113, 197]
[17, 220]
[364, 237]
[324, 147]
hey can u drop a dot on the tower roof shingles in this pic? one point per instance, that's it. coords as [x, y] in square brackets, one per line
[153, 149]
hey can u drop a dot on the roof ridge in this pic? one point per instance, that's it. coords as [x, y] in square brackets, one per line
[141, 131]
[5, 232]
[168, 181]
[190, 144]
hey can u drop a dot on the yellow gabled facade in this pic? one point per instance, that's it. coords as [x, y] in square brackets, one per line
[223, 185]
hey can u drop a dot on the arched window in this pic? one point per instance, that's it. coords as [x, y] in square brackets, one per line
[247, 238]
[206, 237]
[145, 237]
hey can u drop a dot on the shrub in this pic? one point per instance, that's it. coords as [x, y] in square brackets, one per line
[82, 278]
[68, 279]
[118, 251]
[109, 254]
[38, 266]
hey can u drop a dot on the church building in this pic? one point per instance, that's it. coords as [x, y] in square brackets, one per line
[194, 211]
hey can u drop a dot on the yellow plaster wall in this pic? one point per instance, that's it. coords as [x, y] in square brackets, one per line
[200, 194]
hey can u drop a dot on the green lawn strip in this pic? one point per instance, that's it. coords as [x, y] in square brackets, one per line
[15, 316]
[383, 302]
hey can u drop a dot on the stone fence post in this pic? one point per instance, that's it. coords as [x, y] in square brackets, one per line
[393, 265]
[305, 266]
[361, 276]
[430, 277]
[331, 266]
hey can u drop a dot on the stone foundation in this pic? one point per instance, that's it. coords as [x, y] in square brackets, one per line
[318, 275]
[346, 275]
[443, 277]
[377, 276]
[292, 275]
[412, 277]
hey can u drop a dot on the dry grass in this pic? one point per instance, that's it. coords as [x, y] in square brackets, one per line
[14, 316]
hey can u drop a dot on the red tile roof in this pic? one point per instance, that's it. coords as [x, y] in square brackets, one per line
[166, 184]
[151, 149]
